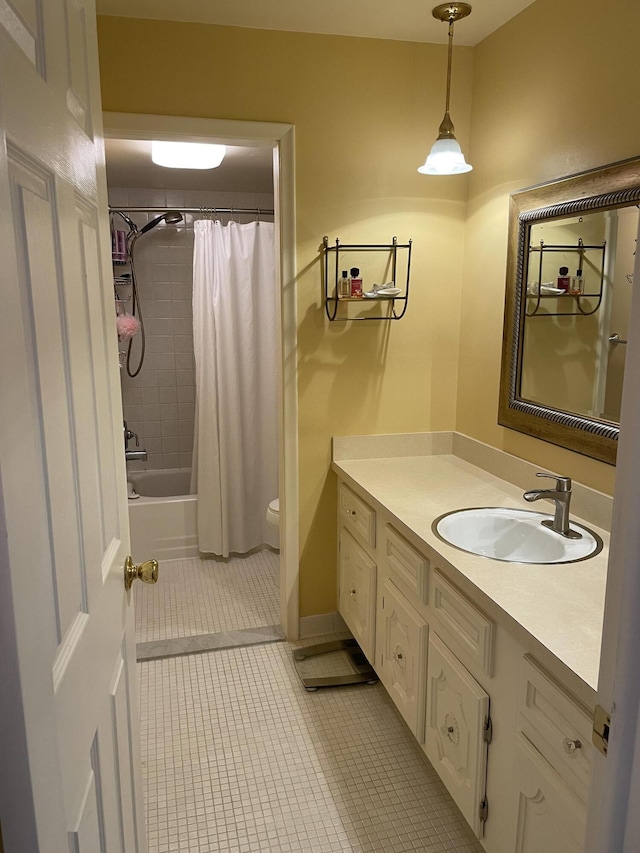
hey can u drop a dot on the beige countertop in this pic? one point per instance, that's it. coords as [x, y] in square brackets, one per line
[561, 606]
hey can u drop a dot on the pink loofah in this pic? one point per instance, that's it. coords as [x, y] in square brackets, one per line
[127, 326]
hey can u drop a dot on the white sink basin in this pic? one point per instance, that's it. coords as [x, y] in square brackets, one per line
[514, 535]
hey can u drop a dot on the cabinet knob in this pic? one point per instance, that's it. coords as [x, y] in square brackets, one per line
[352, 593]
[570, 746]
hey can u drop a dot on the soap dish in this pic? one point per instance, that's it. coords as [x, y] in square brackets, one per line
[388, 292]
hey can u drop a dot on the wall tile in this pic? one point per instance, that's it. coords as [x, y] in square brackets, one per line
[160, 343]
[181, 309]
[171, 444]
[162, 292]
[166, 377]
[134, 396]
[166, 361]
[150, 395]
[151, 412]
[185, 411]
[135, 413]
[169, 412]
[183, 326]
[186, 443]
[168, 394]
[168, 428]
[151, 429]
[186, 395]
[186, 377]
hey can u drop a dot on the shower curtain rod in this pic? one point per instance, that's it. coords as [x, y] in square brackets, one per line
[248, 211]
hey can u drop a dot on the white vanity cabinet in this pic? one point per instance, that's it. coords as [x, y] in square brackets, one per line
[510, 743]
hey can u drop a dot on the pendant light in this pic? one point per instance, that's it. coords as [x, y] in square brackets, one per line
[446, 157]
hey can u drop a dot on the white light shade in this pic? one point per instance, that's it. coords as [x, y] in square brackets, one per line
[187, 155]
[445, 158]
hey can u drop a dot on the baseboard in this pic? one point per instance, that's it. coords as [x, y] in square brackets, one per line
[321, 624]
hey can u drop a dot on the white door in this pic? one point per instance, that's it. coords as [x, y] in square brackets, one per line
[613, 817]
[70, 778]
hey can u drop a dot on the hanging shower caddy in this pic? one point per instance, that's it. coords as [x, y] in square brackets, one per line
[394, 305]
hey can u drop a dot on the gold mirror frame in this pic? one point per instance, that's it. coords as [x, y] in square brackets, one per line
[607, 188]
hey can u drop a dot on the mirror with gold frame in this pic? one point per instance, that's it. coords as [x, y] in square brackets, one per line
[570, 264]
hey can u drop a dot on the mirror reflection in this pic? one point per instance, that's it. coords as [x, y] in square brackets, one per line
[570, 260]
[578, 276]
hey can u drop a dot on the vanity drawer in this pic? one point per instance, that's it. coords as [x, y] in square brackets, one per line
[407, 566]
[557, 726]
[356, 516]
[468, 631]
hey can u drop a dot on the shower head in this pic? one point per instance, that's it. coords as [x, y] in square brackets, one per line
[171, 217]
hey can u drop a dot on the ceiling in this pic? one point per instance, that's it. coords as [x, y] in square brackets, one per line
[250, 169]
[243, 170]
[402, 20]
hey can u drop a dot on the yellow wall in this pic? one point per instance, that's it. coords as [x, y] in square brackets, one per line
[365, 112]
[555, 92]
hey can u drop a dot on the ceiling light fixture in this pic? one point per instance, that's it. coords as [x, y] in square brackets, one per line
[187, 155]
[446, 157]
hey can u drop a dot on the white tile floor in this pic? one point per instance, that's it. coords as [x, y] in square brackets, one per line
[197, 596]
[238, 758]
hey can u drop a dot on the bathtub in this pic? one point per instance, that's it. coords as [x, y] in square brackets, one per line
[163, 519]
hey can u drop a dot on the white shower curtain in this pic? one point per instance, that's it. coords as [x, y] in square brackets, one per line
[235, 460]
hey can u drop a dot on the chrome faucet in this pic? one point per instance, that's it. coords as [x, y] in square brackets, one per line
[561, 496]
[132, 455]
[128, 435]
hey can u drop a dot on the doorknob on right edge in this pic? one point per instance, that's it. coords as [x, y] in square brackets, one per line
[146, 572]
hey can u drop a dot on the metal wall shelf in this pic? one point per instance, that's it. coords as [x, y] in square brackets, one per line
[573, 299]
[396, 305]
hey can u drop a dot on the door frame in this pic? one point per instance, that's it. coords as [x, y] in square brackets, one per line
[280, 138]
[613, 820]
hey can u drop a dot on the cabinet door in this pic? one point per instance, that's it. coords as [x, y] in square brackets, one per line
[457, 714]
[357, 600]
[401, 656]
[549, 817]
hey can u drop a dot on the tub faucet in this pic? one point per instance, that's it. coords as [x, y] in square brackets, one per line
[561, 496]
[128, 435]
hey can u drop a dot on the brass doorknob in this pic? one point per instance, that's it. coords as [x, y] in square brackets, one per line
[147, 572]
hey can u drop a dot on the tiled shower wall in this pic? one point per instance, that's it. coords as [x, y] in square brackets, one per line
[159, 403]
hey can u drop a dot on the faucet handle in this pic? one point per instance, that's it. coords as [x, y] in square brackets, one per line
[563, 484]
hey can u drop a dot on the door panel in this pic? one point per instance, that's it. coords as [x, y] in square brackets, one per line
[22, 21]
[401, 656]
[457, 711]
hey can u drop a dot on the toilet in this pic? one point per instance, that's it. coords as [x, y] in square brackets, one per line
[273, 520]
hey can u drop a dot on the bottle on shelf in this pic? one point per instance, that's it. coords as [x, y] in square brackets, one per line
[577, 284]
[563, 281]
[344, 286]
[356, 282]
